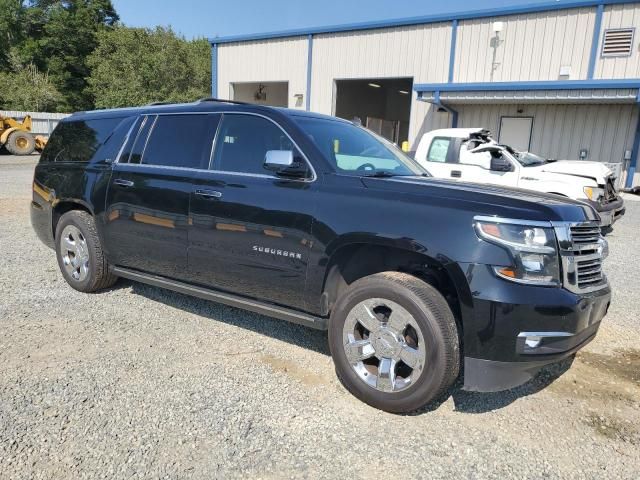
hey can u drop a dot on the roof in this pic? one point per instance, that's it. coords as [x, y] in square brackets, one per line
[198, 106]
[420, 20]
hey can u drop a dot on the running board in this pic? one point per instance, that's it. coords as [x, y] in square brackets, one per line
[256, 306]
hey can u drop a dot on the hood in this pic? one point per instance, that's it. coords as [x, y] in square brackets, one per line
[593, 170]
[484, 199]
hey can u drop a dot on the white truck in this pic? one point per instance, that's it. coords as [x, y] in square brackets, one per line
[472, 155]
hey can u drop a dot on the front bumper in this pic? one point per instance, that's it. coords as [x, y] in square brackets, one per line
[609, 212]
[512, 330]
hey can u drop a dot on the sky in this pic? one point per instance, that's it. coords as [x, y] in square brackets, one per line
[210, 18]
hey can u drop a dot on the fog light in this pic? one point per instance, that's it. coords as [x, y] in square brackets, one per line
[533, 341]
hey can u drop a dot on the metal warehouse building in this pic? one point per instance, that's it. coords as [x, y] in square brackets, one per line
[561, 80]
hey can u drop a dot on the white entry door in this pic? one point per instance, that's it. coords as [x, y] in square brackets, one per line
[516, 132]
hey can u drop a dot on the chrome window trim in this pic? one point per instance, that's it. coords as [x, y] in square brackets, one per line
[146, 141]
[214, 142]
[213, 145]
[126, 139]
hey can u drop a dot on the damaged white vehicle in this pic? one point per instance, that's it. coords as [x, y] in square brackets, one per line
[471, 155]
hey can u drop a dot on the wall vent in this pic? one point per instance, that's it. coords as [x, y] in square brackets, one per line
[618, 42]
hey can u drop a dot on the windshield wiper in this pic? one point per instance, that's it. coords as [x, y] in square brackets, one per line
[380, 174]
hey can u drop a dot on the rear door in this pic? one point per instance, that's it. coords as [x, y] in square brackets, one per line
[147, 210]
[251, 230]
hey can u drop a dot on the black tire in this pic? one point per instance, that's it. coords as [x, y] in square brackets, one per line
[99, 275]
[21, 143]
[438, 328]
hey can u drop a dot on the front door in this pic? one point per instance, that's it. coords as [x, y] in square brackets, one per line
[250, 230]
[147, 210]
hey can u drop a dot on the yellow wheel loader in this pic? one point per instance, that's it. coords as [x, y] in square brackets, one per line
[17, 137]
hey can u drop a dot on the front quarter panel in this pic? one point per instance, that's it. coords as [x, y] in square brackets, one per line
[348, 213]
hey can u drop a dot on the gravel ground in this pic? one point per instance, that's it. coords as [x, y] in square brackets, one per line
[141, 382]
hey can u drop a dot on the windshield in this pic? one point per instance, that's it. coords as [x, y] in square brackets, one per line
[528, 159]
[353, 150]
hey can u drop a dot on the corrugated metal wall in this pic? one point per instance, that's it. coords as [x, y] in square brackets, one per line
[559, 131]
[531, 46]
[420, 52]
[619, 16]
[43, 123]
[264, 61]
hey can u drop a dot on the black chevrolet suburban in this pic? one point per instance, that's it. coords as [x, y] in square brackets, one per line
[318, 221]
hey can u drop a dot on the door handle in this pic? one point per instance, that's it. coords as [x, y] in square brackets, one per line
[456, 173]
[123, 183]
[208, 193]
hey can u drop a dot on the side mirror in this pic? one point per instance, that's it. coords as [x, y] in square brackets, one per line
[500, 164]
[283, 163]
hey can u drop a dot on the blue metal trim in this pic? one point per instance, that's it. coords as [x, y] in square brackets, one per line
[533, 85]
[437, 102]
[635, 150]
[419, 20]
[214, 70]
[452, 51]
[309, 65]
[597, 27]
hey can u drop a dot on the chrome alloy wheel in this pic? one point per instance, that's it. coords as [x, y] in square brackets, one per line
[383, 344]
[75, 253]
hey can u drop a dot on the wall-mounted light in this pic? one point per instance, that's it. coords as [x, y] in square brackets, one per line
[260, 94]
[498, 27]
[374, 85]
[403, 92]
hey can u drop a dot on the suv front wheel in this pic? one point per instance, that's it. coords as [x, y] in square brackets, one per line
[79, 252]
[394, 342]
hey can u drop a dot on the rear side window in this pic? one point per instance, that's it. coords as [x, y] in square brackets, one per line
[438, 150]
[135, 146]
[78, 140]
[243, 142]
[178, 141]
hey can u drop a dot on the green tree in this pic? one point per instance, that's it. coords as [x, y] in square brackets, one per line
[58, 36]
[11, 29]
[29, 90]
[134, 66]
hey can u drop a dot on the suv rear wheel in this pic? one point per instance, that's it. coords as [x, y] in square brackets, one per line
[79, 252]
[394, 342]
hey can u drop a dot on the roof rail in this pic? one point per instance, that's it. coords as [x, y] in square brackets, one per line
[211, 99]
[152, 104]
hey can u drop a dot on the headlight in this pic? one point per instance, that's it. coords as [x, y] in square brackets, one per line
[532, 249]
[593, 193]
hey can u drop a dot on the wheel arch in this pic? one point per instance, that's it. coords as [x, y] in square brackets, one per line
[356, 258]
[63, 206]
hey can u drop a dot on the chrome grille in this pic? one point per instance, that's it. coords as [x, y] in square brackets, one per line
[589, 270]
[585, 234]
[581, 251]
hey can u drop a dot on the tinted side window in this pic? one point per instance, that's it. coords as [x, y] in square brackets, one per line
[78, 140]
[135, 146]
[180, 141]
[243, 142]
[438, 150]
